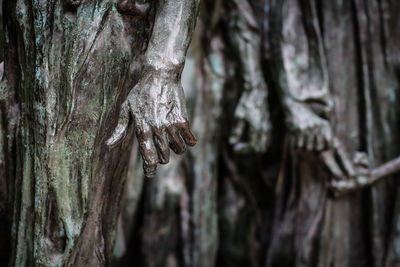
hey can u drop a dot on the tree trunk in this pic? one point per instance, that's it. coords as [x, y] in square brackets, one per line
[69, 65]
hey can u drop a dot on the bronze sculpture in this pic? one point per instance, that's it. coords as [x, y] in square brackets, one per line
[68, 67]
[80, 77]
[157, 102]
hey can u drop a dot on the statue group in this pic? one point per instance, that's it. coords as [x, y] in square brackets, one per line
[279, 93]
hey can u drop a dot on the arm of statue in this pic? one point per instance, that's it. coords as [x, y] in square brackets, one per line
[156, 103]
[306, 98]
[252, 121]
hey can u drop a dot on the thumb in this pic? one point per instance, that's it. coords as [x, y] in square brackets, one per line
[123, 122]
[237, 132]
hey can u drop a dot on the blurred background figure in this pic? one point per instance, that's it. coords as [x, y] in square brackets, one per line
[270, 85]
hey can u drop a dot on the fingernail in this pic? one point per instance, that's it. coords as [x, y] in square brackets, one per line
[150, 172]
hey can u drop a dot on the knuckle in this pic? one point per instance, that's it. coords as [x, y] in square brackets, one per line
[151, 163]
[178, 148]
[164, 160]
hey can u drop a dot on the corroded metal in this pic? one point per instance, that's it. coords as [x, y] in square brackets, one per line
[71, 67]
[157, 103]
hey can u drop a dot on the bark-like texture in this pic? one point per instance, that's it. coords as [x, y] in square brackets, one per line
[269, 85]
[68, 69]
[69, 65]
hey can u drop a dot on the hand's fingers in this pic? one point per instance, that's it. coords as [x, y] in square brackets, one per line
[263, 141]
[258, 141]
[244, 148]
[344, 160]
[330, 161]
[161, 145]
[187, 134]
[328, 136]
[300, 140]
[123, 123]
[175, 140]
[148, 152]
[310, 141]
[237, 132]
[320, 142]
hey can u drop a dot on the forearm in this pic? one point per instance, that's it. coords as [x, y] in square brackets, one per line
[172, 32]
[245, 39]
[156, 103]
[304, 60]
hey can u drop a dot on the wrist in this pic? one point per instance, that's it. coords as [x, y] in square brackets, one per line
[163, 73]
[296, 111]
[322, 109]
[290, 105]
[164, 63]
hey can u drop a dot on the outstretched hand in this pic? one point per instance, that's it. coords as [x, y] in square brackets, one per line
[157, 106]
